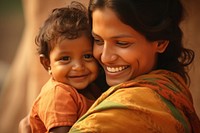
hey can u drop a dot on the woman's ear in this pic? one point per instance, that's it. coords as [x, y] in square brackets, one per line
[162, 45]
[45, 61]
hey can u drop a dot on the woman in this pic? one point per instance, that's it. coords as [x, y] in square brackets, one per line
[138, 43]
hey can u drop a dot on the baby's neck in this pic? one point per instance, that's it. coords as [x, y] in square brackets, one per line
[87, 93]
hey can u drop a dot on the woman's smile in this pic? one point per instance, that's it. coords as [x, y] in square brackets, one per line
[116, 69]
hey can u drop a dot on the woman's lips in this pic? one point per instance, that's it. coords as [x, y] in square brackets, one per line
[116, 69]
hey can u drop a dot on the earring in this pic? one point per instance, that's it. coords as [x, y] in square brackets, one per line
[49, 71]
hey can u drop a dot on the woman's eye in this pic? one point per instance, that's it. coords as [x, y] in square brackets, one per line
[98, 41]
[123, 44]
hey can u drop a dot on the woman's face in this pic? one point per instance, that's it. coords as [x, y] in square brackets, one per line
[123, 52]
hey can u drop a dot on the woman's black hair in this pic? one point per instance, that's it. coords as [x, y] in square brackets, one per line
[156, 20]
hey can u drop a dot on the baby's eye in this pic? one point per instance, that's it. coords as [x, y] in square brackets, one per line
[65, 58]
[88, 56]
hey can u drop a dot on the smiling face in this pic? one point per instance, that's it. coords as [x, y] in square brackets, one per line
[72, 62]
[123, 52]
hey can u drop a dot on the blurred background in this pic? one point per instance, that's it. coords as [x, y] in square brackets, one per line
[11, 28]
[21, 75]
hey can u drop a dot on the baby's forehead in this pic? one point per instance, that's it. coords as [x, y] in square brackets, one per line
[83, 39]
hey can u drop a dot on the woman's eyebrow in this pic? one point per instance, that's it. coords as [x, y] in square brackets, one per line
[93, 34]
[117, 36]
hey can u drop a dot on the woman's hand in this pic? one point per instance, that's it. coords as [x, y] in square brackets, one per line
[24, 125]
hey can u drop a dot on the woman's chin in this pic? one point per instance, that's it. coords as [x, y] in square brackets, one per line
[112, 82]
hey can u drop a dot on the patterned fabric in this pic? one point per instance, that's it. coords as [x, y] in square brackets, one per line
[159, 102]
[58, 104]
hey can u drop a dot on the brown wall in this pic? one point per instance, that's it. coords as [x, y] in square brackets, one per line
[191, 28]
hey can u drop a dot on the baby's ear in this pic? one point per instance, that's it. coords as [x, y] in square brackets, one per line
[45, 61]
[162, 45]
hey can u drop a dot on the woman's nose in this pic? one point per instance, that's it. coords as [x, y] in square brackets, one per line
[108, 54]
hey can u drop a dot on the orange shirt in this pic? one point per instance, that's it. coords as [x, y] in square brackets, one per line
[58, 104]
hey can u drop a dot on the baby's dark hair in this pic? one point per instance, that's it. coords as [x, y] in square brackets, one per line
[69, 22]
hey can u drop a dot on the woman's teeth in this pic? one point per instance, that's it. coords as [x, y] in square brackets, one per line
[116, 69]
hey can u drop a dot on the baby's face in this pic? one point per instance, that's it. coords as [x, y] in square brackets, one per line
[72, 62]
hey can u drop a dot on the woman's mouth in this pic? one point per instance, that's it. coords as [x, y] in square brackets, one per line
[116, 69]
